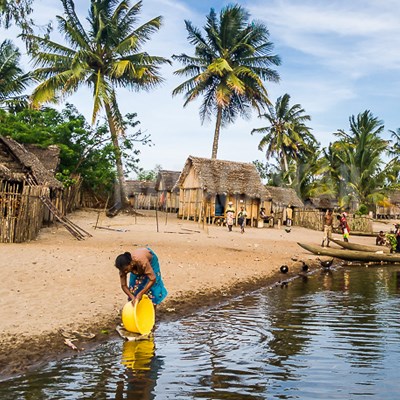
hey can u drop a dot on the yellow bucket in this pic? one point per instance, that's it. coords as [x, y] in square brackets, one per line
[138, 354]
[139, 317]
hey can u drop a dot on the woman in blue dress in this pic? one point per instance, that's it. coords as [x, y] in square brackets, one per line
[145, 275]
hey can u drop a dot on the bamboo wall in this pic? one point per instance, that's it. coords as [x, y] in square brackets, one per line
[169, 201]
[21, 213]
[144, 201]
[314, 219]
[392, 212]
[194, 204]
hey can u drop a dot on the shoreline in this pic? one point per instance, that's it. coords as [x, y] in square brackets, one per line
[57, 285]
[24, 360]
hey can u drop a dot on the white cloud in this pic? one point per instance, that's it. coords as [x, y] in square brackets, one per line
[339, 57]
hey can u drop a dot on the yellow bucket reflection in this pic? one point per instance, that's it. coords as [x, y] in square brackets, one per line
[139, 317]
[137, 355]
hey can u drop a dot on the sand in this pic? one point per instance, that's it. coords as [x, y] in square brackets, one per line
[57, 287]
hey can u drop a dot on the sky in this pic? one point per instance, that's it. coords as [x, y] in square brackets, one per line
[339, 58]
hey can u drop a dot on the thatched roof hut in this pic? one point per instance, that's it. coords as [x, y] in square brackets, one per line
[166, 180]
[140, 187]
[142, 194]
[322, 202]
[169, 192]
[284, 197]
[17, 164]
[224, 177]
[390, 206]
[49, 156]
[206, 185]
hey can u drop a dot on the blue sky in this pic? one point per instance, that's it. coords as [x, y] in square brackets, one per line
[339, 58]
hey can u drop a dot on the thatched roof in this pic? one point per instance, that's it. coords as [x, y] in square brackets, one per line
[169, 178]
[17, 162]
[322, 202]
[140, 187]
[284, 196]
[225, 177]
[49, 157]
[394, 197]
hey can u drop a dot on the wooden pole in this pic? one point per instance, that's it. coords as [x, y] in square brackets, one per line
[157, 211]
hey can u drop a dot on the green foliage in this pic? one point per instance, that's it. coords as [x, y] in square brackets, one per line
[84, 150]
[17, 11]
[13, 81]
[149, 175]
[362, 209]
[286, 137]
[104, 53]
[228, 68]
[392, 240]
[357, 159]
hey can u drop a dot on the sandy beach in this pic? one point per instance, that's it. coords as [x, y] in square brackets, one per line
[58, 287]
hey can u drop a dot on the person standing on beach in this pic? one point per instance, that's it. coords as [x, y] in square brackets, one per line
[344, 226]
[289, 216]
[230, 216]
[145, 275]
[328, 222]
[242, 215]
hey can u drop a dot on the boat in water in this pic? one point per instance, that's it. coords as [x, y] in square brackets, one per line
[352, 255]
[361, 247]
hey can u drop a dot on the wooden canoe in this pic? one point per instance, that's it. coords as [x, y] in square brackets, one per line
[351, 255]
[360, 247]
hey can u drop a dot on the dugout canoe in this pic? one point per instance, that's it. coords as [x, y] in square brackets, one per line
[352, 255]
[361, 247]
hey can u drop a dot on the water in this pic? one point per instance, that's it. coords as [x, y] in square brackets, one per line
[335, 335]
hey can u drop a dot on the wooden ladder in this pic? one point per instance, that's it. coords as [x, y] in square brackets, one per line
[72, 228]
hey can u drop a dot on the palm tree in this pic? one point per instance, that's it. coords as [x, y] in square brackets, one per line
[286, 135]
[105, 56]
[360, 152]
[13, 80]
[228, 68]
[17, 11]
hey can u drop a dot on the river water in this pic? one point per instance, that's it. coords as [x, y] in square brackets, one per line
[332, 335]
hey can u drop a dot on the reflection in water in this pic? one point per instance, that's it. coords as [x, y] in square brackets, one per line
[334, 335]
[142, 370]
[137, 354]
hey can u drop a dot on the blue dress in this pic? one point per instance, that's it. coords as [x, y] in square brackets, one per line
[157, 293]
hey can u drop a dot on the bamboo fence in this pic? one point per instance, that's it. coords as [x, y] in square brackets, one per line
[21, 213]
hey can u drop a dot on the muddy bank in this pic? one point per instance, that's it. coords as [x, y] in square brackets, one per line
[57, 284]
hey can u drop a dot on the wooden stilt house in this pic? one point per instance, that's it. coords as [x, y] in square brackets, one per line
[168, 192]
[281, 199]
[25, 186]
[207, 185]
[142, 195]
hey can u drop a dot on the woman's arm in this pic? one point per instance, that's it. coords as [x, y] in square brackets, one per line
[124, 286]
[148, 271]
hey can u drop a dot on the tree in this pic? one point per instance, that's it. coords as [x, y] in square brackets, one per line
[84, 150]
[228, 68]
[17, 11]
[13, 81]
[286, 135]
[105, 56]
[393, 166]
[360, 156]
[149, 175]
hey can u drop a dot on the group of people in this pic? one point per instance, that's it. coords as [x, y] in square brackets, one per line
[328, 227]
[230, 217]
[391, 239]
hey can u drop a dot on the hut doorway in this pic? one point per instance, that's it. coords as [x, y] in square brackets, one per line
[220, 200]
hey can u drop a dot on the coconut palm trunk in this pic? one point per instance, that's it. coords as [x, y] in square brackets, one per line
[216, 133]
[285, 163]
[121, 186]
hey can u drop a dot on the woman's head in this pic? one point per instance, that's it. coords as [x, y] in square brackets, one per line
[123, 260]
